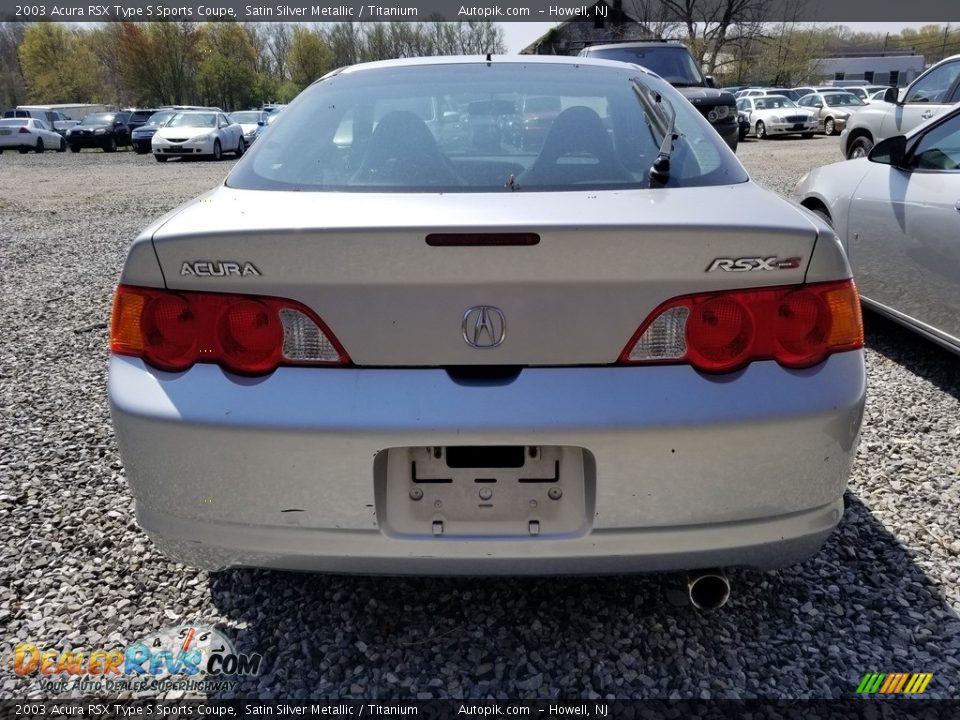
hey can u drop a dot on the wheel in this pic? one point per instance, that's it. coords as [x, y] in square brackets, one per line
[829, 127]
[111, 145]
[241, 148]
[823, 214]
[742, 135]
[217, 150]
[761, 130]
[160, 158]
[39, 147]
[859, 148]
[806, 136]
[63, 146]
[74, 148]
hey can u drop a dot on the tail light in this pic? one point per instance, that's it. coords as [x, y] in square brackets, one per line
[246, 334]
[798, 326]
[23, 131]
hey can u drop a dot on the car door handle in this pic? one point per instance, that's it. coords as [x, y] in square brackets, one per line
[927, 115]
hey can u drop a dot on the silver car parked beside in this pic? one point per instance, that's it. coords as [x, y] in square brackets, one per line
[897, 212]
[384, 345]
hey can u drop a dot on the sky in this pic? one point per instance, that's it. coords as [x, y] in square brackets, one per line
[520, 34]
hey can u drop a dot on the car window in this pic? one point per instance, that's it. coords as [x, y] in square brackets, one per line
[159, 119]
[939, 148]
[674, 64]
[98, 119]
[193, 120]
[934, 86]
[249, 118]
[479, 128]
[843, 99]
[40, 124]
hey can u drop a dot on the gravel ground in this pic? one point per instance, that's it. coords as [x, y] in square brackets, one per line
[75, 571]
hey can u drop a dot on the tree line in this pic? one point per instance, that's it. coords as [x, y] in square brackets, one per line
[229, 64]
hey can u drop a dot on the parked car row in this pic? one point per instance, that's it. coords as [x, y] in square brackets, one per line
[174, 131]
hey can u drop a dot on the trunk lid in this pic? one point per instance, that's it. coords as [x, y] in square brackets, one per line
[604, 261]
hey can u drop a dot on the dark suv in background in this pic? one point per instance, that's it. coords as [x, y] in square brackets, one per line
[674, 63]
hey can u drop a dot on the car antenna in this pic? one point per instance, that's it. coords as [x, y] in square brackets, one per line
[660, 171]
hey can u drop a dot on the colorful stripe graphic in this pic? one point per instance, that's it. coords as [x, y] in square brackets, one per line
[894, 683]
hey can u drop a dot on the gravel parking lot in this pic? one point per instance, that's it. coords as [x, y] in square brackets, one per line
[75, 572]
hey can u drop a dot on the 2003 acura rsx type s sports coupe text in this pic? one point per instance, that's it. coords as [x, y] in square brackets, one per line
[406, 336]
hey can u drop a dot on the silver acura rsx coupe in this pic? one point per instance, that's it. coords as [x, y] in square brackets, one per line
[488, 316]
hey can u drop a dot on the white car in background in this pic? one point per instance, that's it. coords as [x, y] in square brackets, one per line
[776, 115]
[250, 121]
[931, 94]
[196, 134]
[26, 134]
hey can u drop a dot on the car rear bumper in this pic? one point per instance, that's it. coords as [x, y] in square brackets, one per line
[682, 470]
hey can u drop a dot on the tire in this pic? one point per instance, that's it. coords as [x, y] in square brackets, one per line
[63, 146]
[74, 148]
[742, 134]
[806, 136]
[39, 148]
[241, 148]
[160, 158]
[829, 127]
[761, 130]
[823, 215]
[111, 145]
[860, 147]
[217, 150]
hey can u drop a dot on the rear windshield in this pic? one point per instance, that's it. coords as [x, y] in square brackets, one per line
[141, 115]
[13, 122]
[673, 64]
[484, 128]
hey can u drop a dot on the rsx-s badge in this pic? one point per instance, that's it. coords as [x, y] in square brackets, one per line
[218, 268]
[746, 264]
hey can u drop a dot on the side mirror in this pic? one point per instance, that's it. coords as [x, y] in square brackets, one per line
[710, 81]
[818, 104]
[891, 95]
[892, 151]
[261, 123]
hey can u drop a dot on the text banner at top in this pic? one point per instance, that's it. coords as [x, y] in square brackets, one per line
[320, 11]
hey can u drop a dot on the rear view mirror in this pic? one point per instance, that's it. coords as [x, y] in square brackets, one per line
[891, 151]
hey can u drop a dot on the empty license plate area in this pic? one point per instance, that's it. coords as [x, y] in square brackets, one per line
[484, 491]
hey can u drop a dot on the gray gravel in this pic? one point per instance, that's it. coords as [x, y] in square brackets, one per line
[882, 596]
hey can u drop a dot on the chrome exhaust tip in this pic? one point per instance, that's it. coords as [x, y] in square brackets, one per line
[708, 589]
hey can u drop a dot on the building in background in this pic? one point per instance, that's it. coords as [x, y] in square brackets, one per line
[897, 69]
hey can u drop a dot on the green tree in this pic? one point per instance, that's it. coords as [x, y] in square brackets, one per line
[58, 66]
[227, 70]
[308, 56]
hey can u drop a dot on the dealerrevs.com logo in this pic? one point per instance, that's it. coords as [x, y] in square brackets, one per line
[185, 657]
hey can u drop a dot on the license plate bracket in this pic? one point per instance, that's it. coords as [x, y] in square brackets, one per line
[494, 492]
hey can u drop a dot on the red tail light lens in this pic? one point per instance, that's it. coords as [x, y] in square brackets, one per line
[720, 332]
[248, 335]
[23, 131]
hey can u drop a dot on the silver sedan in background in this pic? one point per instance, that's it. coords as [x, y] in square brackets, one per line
[385, 345]
[198, 134]
[897, 211]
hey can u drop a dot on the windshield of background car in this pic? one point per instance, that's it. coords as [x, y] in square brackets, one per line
[201, 120]
[159, 119]
[774, 102]
[98, 119]
[248, 118]
[841, 99]
[673, 64]
[484, 128]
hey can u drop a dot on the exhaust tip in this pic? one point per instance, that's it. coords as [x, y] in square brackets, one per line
[708, 589]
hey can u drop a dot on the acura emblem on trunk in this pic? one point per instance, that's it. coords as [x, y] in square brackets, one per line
[484, 326]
